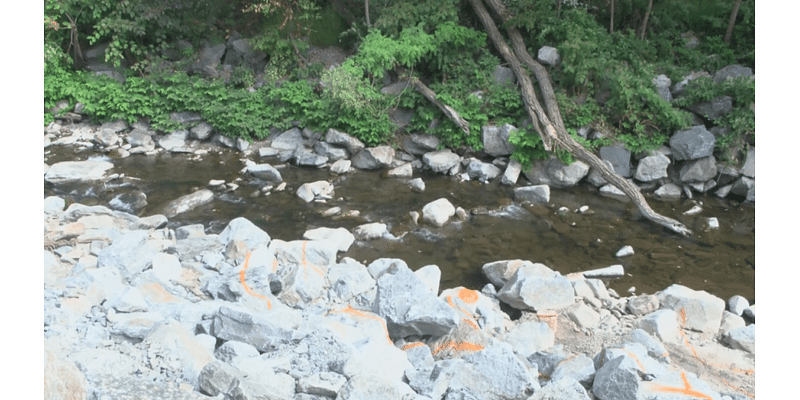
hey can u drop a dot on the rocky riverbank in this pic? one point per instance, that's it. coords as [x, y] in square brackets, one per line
[133, 309]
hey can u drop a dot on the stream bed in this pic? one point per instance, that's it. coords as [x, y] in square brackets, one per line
[720, 261]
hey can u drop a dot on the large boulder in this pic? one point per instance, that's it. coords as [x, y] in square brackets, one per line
[175, 141]
[749, 167]
[342, 139]
[731, 72]
[242, 230]
[264, 171]
[208, 60]
[241, 52]
[511, 173]
[548, 55]
[330, 151]
[620, 158]
[535, 288]
[482, 171]
[77, 171]
[309, 191]
[265, 332]
[188, 202]
[174, 340]
[714, 109]
[373, 157]
[652, 168]
[419, 144]
[438, 212]
[691, 144]
[495, 140]
[698, 310]
[533, 194]
[409, 307]
[288, 140]
[699, 170]
[663, 83]
[341, 236]
[62, 378]
[555, 173]
[440, 161]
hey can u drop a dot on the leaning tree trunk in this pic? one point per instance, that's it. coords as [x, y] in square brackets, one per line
[550, 126]
[732, 21]
[646, 16]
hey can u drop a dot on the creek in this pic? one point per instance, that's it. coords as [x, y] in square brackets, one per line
[720, 261]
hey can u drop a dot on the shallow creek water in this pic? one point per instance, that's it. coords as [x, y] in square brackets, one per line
[719, 261]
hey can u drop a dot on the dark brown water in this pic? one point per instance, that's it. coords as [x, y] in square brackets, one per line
[720, 261]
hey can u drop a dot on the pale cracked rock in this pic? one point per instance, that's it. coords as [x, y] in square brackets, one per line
[652, 168]
[323, 384]
[438, 212]
[536, 287]
[188, 202]
[499, 272]
[743, 338]
[662, 324]
[338, 138]
[373, 157]
[441, 161]
[76, 171]
[529, 337]
[241, 229]
[374, 230]
[341, 236]
[583, 315]
[702, 311]
[409, 307]
[535, 194]
[309, 191]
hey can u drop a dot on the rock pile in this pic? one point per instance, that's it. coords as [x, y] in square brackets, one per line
[135, 310]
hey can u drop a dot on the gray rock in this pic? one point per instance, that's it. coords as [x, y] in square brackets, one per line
[98, 362]
[655, 389]
[749, 168]
[241, 52]
[743, 186]
[624, 251]
[190, 231]
[663, 83]
[208, 60]
[536, 194]
[396, 88]
[419, 144]
[504, 76]
[562, 389]
[732, 71]
[737, 304]
[642, 305]
[217, 377]
[130, 254]
[136, 325]
[242, 230]
[703, 311]
[232, 349]
[374, 230]
[662, 324]
[724, 191]
[348, 280]
[369, 387]
[536, 288]
[693, 143]
[323, 384]
[679, 88]
[750, 311]
[137, 388]
[529, 337]
[482, 171]
[501, 375]
[548, 55]
[264, 333]
[612, 381]
[652, 168]
[306, 158]
[655, 349]
[714, 109]
[417, 185]
[201, 131]
[106, 137]
[438, 212]
[511, 173]
[620, 158]
[77, 171]
[613, 192]
[409, 307]
[174, 141]
[342, 139]
[579, 368]
[743, 338]
[288, 140]
[341, 167]
[268, 152]
[582, 315]
[242, 144]
[401, 117]
[186, 117]
[730, 321]
[440, 161]
[141, 138]
[495, 140]
[130, 202]
[373, 157]
[130, 301]
[565, 175]
[188, 202]
[309, 191]
[403, 171]
[264, 171]
[330, 151]
[54, 205]
[430, 275]
[223, 141]
[341, 236]
[62, 378]
[302, 268]
[595, 178]
[668, 192]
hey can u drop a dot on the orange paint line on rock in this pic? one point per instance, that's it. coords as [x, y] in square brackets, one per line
[244, 284]
[467, 295]
[472, 324]
[412, 345]
[306, 264]
[459, 346]
[694, 353]
[686, 389]
[637, 361]
[351, 310]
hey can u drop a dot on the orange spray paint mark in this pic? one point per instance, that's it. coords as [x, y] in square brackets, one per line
[639, 363]
[306, 264]
[702, 361]
[551, 319]
[472, 324]
[686, 389]
[467, 295]
[412, 345]
[161, 295]
[459, 346]
[244, 284]
[351, 310]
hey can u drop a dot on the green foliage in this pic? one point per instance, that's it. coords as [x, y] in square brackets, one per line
[397, 16]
